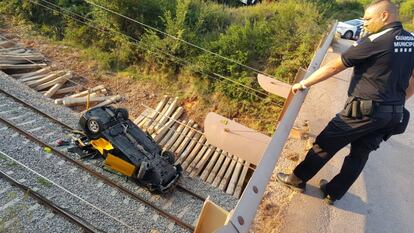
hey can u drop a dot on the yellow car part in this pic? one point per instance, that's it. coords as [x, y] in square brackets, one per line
[113, 161]
[120, 165]
[101, 145]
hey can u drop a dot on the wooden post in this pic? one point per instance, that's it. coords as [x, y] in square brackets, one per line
[188, 138]
[110, 100]
[193, 141]
[199, 166]
[21, 66]
[54, 89]
[216, 167]
[166, 115]
[175, 136]
[225, 181]
[199, 143]
[100, 88]
[82, 100]
[147, 122]
[210, 165]
[63, 78]
[150, 128]
[240, 183]
[182, 136]
[33, 78]
[222, 170]
[163, 130]
[5, 58]
[30, 74]
[142, 116]
[13, 50]
[169, 134]
[46, 79]
[235, 177]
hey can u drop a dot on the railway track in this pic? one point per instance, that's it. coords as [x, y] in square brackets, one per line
[20, 121]
[68, 127]
[24, 209]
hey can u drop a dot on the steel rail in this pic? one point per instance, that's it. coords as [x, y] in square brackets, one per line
[71, 128]
[87, 227]
[17, 99]
[98, 175]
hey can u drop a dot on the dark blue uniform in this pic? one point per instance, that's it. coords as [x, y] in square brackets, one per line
[383, 63]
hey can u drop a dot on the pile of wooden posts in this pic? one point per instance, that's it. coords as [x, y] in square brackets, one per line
[14, 58]
[30, 68]
[183, 137]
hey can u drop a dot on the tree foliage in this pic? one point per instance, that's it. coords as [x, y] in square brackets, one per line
[277, 37]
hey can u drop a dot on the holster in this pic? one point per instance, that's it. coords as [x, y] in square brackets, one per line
[356, 111]
[357, 108]
[366, 107]
[347, 111]
[401, 126]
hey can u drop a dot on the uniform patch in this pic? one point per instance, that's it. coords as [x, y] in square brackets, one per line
[403, 44]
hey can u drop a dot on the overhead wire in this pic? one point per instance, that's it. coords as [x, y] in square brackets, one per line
[102, 30]
[132, 38]
[181, 60]
[168, 117]
[176, 38]
[226, 155]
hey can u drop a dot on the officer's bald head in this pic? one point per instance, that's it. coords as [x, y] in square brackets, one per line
[381, 6]
[378, 14]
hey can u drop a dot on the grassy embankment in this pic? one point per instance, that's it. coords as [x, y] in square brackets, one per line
[276, 38]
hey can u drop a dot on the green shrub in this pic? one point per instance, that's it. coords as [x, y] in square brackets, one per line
[277, 37]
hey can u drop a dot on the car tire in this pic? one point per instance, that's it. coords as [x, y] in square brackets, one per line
[122, 113]
[168, 156]
[94, 125]
[348, 35]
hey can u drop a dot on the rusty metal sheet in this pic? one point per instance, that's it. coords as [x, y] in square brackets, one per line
[274, 86]
[235, 138]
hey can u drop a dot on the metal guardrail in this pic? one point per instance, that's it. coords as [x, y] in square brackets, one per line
[245, 211]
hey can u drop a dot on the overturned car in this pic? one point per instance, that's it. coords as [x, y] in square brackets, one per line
[128, 150]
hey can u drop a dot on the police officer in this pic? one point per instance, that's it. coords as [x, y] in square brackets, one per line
[383, 79]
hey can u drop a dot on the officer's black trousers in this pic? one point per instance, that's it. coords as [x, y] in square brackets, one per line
[364, 135]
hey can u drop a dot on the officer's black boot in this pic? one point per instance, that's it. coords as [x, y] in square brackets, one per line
[327, 197]
[291, 181]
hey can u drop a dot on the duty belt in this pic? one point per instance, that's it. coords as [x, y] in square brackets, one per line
[389, 108]
[357, 108]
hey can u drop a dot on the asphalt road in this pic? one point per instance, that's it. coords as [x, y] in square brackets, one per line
[381, 200]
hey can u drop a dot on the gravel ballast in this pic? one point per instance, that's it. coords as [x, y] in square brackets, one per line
[132, 212]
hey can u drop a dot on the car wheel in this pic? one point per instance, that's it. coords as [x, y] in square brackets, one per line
[348, 35]
[122, 113]
[94, 125]
[168, 156]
